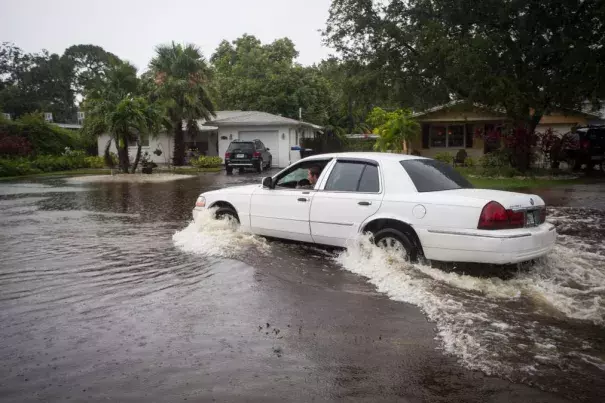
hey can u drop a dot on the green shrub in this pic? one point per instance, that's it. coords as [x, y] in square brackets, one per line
[444, 157]
[16, 167]
[496, 158]
[469, 162]
[206, 162]
[94, 162]
[44, 137]
[416, 153]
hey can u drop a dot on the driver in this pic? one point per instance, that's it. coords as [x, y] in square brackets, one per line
[312, 177]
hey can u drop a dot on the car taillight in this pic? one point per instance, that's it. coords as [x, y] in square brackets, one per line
[256, 154]
[227, 155]
[495, 216]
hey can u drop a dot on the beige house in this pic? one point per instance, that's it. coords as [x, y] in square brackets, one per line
[453, 126]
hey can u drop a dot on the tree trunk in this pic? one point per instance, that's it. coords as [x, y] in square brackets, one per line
[107, 155]
[179, 145]
[138, 156]
[123, 155]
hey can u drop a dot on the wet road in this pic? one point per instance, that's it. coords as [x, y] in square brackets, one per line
[107, 293]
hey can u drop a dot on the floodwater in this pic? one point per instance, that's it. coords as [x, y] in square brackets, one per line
[108, 292]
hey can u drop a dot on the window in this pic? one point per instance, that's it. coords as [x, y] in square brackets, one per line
[438, 136]
[292, 177]
[455, 136]
[132, 140]
[447, 136]
[353, 177]
[431, 175]
[241, 146]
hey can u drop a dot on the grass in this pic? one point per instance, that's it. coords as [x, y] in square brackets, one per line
[516, 183]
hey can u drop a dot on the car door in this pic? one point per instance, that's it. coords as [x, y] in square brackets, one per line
[282, 211]
[352, 192]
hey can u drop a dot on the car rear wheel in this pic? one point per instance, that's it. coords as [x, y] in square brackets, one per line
[226, 213]
[229, 169]
[241, 170]
[259, 167]
[395, 241]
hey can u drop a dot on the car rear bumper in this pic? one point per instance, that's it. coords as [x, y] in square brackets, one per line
[240, 164]
[495, 247]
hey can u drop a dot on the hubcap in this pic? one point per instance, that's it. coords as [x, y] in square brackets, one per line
[391, 244]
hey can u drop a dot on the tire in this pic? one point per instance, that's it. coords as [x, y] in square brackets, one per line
[229, 170]
[390, 235]
[259, 167]
[270, 164]
[241, 170]
[223, 212]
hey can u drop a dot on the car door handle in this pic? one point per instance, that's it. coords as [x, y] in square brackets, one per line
[302, 199]
[364, 203]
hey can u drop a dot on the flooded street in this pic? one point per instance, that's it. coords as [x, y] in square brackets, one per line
[108, 292]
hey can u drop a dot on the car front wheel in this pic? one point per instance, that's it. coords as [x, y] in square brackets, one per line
[393, 240]
[226, 212]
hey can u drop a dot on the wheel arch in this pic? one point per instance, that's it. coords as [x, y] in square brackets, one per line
[224, 204]
[378, 223]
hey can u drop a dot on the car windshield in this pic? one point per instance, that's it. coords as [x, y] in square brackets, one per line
[432, 176]
[241, 147]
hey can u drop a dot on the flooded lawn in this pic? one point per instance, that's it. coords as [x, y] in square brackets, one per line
[108, 292]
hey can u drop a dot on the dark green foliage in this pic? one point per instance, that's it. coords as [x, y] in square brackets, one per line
[206, 162]
[43, 137]
[48, 163]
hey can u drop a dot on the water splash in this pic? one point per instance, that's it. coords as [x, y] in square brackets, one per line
[222, 238]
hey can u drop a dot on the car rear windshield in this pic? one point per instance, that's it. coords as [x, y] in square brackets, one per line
[431, 175]
[241, 147]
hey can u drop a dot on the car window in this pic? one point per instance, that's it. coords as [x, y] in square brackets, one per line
[292, 177]
[369, 183]
[431, 175]
[239, 146]
[352, 177]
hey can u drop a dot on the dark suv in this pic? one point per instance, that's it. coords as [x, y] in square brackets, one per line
[247, 154]
[584, 147]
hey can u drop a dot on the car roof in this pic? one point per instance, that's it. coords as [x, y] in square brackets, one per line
[366, 155]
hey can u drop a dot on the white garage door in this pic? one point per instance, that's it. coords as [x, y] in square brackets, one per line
[269, 139]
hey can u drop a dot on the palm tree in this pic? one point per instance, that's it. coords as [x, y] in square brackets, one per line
[394, 129]
[181, 75]
[115, 106]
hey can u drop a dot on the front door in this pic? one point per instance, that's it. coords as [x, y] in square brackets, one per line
[283, 211]
[352, 193]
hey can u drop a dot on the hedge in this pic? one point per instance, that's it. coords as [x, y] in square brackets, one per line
[47, 163]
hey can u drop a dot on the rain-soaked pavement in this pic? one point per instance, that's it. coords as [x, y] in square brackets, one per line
[108, 293]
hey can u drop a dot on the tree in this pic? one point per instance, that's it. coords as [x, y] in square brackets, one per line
[251, 76]
[528, 58]
[182, 78]
[116, 106]
[89, 63]
[395, 129]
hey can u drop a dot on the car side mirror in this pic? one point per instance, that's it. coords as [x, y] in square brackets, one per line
[268, 182]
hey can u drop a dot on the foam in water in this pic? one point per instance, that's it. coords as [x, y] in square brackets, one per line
[471, 322]
[223, 238]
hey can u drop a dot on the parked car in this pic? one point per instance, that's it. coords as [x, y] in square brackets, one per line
[585, 147]
[247, 154]
[417, 205]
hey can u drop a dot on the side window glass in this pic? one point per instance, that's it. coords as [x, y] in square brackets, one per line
[345, 177]
[369, 182]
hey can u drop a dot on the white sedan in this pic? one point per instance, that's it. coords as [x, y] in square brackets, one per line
[420, 206]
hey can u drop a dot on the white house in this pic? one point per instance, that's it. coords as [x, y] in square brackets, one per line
[278, 133]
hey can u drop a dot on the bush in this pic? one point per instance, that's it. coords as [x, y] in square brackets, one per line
[11, 145]
[16, 167]
[495, 159]
[206, 162]
[444, 157]
[469, 162]
[94, 162]
[44, 138]
[416, 153]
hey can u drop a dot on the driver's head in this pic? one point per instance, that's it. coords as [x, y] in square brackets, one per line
[313, 174]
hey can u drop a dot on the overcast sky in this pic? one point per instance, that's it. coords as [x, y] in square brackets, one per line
[132, 28]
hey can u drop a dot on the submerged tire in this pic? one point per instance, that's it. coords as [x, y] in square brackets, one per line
[390, 238]
[223, 212]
